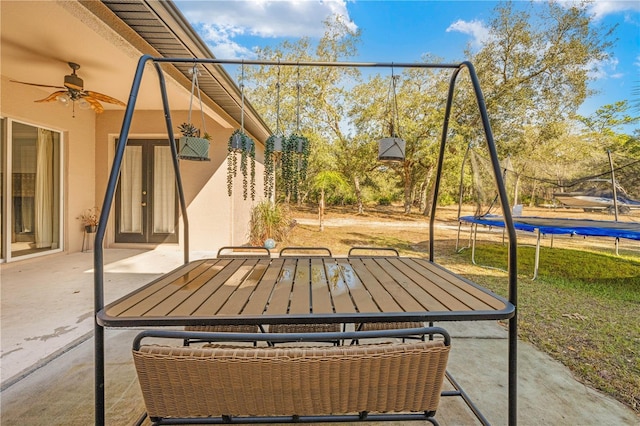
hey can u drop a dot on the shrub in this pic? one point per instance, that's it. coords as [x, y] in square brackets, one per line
[384, 201]
[269, 220]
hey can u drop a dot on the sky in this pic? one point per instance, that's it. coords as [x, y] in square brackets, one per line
[403, 31]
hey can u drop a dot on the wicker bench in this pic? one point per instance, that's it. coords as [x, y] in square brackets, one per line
[245, 384]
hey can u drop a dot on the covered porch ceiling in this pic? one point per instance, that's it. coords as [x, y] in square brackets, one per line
[106, 39]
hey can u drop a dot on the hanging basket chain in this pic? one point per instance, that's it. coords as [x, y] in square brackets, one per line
[394, 118]
[278, 103]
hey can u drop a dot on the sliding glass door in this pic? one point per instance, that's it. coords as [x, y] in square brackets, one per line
[34, 190]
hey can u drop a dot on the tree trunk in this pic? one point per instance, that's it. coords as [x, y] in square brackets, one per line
[427, 185]
[356, 184]
[407, 189]
[321, 210]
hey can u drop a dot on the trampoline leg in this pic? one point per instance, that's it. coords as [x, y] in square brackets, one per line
[474, 230]
[617, 244]
[537, 261]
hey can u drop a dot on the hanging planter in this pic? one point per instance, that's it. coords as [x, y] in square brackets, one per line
[273, 147]
[295, 160]
[241, 143]
[191, 145]
[392, 148]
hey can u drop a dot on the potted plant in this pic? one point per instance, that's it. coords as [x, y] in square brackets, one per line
[89, 219]
[273, 147]
[242, 143]
[192, 146]
[295, 160]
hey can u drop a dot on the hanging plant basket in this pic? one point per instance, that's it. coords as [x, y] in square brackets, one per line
[391, 149]
[194, 148]
[240, 142]
[191, 145]
[274, 146]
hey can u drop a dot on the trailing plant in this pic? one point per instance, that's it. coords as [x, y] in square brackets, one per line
[241, 142]
[295, 160]
[269, 163]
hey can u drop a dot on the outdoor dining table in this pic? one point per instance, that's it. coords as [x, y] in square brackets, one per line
[305, 289]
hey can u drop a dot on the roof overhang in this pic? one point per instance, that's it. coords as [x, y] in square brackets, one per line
[107, 39]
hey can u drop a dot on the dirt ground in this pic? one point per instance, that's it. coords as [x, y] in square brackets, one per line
[447, 221]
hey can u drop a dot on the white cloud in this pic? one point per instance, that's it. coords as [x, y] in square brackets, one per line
[221, 21]
[475, 28]
[604, 69]
[600, 9]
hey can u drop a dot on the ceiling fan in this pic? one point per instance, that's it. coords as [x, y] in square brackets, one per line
[73, 91]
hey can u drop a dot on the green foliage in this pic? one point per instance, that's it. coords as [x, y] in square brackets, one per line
[384, 201]
[189, 130]
[247, 149]
[269, 165]
[295, 161]
[269, 220]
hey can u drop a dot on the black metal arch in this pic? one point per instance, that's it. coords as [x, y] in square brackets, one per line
[119, 154]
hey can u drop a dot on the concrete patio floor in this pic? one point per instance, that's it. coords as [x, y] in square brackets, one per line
[47, 353]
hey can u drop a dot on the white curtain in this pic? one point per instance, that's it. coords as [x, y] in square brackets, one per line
[164, 193]
[44, 189]
[131, 190]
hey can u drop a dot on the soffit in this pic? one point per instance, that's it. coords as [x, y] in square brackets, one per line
[107, 39]
[161, 25]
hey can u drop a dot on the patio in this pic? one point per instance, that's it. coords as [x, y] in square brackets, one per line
[54, 370]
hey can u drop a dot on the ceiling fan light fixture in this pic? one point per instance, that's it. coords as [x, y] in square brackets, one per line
[84, 104]
[64, 99]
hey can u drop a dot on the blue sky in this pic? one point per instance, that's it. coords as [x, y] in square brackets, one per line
[402, 31]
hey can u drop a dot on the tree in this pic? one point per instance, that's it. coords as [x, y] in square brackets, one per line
[312, 98]
[327, 181]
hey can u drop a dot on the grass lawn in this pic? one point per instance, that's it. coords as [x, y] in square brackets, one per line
[583, 308]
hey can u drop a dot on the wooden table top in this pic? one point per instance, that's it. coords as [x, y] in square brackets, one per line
[255, 290]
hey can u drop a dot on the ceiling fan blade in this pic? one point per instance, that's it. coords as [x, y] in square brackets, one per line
[36, 84]
[52, 97]
[95, 105]
[104, 98]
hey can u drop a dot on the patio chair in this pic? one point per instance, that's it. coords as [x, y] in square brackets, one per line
[243, 251]
[307, 328]
[232, 328]
[240, 384]
[385, 251]
[305, 252]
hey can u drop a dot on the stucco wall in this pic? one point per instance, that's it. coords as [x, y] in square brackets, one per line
[215, 219]
[78, 141]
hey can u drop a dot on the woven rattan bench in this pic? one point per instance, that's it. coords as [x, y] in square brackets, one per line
[244, 384]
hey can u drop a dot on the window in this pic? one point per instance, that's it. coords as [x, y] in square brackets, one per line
[34, 189]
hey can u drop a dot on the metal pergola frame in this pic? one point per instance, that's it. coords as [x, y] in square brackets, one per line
[119, 154]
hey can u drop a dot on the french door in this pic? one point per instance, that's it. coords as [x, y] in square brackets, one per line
[146, 195]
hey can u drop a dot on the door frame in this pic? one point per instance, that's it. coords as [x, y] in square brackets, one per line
[147, 236]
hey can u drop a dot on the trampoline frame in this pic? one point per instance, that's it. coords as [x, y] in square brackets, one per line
[540, 229]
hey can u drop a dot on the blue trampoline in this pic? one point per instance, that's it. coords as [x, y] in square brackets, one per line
[544, 226]
[585, 227]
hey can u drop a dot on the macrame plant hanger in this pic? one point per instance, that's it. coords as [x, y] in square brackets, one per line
[242, 143]
[193, 145]
[274, 147]
[392, 148]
